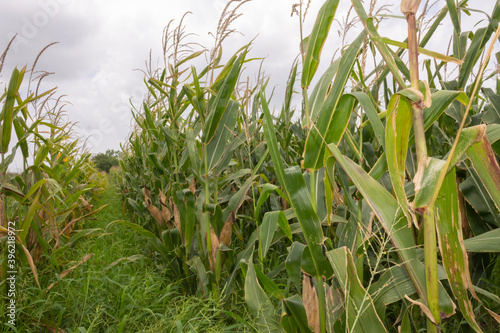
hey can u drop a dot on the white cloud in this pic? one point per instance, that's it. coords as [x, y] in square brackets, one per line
[102, 42]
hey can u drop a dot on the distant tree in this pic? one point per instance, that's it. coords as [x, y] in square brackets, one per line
[104, 161]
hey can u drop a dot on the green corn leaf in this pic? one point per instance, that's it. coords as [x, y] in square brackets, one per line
[485, 163]
[360, 311]
[221, 102]
[391, 287]
[396, 137]
[327, 131]
[272, 142]
[289, 324]
[453, 254]
[426, 184]
[452, 8]
[317, 40]
[242, 256]
[266, 232]
[472, 55]
[387, 210]
[155, 241]
[193, 151]
[268, 284]
[293, 264]
[237, 199]
[218, 145]
[197, 267]
[487, 242]
[441, 100]
[267, 190]
[20, 128]
[259, 304]
[189, 220]
[295, 308]
[477, 196]
[8, 108]
[300, 198]
[382, 48]
[28, 219]
[372, 114]
[41, 155]
[320, 91]
[421, 50]
[284, 225]
[335, 111]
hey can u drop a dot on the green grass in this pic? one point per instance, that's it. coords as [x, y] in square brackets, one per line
[131, 296]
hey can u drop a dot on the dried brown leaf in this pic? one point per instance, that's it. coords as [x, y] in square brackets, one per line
[30, 261]
[153, 210]
[423, 308]
[227, 230]
[409, 6]
[69, 270]
[165, 212]
[72, 222]
[177, 218]
[214, 240]
[311, 304]
[192, 185]
[86, 204]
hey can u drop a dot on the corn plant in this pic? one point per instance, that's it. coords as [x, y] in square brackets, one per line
[333, 221]
[435, 191]
[51, 194]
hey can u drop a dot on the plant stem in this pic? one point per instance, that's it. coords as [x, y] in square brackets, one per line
[430, 245]
[417, 108]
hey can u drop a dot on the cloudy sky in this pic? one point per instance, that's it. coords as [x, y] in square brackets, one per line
[103, 45]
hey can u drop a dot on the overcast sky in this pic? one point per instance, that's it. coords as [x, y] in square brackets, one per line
[101, 43]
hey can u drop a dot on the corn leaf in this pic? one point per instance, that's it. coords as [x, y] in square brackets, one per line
[382, 48]
[386, 209]
[360, 311]
[320, 91]
[335, 111]
[8, 109]
[221, 101]
[218, 146]
[472, 55]
[426, 184]
[295, 308]
[485, 163]
[452, 8]
[372, 114]
[300, 198]
[396, 137]
[266, 232]
[487, 242]
[317, 40]
[259, 304]
[451, 245]
[293, 264]
[421, 50]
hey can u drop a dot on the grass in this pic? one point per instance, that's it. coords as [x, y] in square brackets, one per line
[119, 289]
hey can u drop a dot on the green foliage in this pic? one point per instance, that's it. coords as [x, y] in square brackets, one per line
[52, 193]
[330, 219]
[105, 161]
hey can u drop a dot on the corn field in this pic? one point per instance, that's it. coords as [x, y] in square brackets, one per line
[368, 201]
